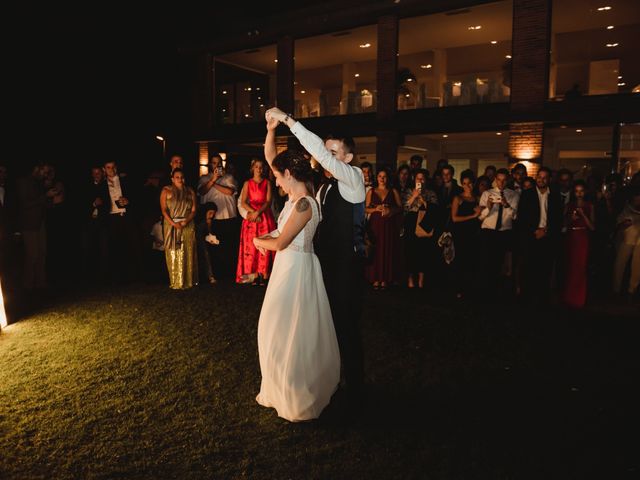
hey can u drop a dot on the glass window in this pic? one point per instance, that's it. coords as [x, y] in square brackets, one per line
[586, 151]
[460, 57]
[594, 47]
[245, 84]
[463, 150]
[629, 163]
[335, 74]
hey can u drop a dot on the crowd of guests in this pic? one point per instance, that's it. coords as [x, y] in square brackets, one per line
[539, 238]
[501, 231]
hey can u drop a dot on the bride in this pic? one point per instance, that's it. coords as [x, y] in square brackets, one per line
[297, 345]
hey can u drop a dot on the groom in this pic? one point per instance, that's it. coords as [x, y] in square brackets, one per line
[339, 243]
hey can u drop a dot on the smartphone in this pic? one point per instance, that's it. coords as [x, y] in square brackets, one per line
[419, 186]
[219, 170]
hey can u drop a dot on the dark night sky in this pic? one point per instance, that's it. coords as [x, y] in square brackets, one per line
[100, 82]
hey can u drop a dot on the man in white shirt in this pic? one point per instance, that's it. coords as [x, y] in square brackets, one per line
[339, 241]
[499, 207]
[122, 236]
[221, 188]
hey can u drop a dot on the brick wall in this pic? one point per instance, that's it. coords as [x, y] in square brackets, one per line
[530, 54]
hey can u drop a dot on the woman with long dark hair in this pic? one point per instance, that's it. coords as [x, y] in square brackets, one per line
[580, 222]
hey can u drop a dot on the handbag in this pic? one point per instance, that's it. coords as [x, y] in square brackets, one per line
[421, 232]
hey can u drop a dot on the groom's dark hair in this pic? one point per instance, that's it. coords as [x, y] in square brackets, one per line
[349, 144]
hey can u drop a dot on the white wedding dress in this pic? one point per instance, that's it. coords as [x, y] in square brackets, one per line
[297, 344]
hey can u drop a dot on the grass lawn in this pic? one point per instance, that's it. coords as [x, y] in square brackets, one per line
[150, 383]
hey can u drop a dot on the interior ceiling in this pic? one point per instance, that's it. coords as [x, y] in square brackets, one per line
[441, 30]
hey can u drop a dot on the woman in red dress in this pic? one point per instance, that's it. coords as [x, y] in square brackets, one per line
[256, 199]
[579, 219]
[384, 206]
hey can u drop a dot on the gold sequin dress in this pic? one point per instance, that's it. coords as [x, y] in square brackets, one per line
[180, 244]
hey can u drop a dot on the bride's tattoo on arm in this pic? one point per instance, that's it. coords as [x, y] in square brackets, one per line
[302, 205]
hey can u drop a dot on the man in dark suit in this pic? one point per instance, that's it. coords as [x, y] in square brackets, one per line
[540, 217]
[95, 215]
[124, 255]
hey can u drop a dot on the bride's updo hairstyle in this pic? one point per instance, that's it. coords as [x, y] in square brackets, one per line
[298, 165]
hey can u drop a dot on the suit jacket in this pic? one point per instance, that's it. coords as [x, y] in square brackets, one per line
[92, 192]
[32, 203]
[445, 199]
[529, 214]
[127, 192]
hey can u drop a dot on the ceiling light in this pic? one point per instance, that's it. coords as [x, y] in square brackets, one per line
[621, 84]
[365, 45]
[476, 27]
[578, 130]
[428, 65]
[498, 133]
[619, 77]
[224, 92]
[303, 91]
[493, 42]
[612, 44]
[603, 9]
[445, 135]
[356, 75]
[407, 95]
[276, 60]
[507, 56]
[610, 27]
[409, 79]
[457, 84]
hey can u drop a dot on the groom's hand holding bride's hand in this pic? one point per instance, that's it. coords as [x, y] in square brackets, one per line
[272, 122]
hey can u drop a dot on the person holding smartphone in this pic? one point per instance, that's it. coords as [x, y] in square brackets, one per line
[220, 187]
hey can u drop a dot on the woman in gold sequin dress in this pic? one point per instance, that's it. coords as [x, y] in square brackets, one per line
[178, 205]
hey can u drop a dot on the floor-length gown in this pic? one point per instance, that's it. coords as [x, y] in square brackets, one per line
[576, 257]
[386, 235]
[180, 244]
[250, 261]
[297, 344]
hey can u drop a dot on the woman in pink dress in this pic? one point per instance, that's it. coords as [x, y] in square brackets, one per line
[384, 206]
[579, 219]
[256, 199]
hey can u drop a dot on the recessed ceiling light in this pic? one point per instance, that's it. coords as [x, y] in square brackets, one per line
[493, 42]
[507, 56]
[457, 84]
[365, 45]
[619, 77]
[276, 60]
[498, 133]
[610, 27]
[303, 91]
[409, 79]
[603, 9]
[356, 75]
[476, 27]
[428, 65]
[578, 130]
[407, 95]
[224, 92]
[445, 135]
[621, 84]
[612, 44]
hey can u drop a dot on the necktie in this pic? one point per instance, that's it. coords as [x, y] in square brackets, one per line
[500, 209]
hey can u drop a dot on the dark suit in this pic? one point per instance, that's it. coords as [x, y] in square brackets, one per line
[95, 232]
[123, 241]
[538, 253]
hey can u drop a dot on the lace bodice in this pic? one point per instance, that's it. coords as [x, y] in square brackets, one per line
[303, 242]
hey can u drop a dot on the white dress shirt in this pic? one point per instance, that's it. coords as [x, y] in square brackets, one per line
[227, 204]
[350, 178]
[543, 198]
[489, 216]
[115, 192]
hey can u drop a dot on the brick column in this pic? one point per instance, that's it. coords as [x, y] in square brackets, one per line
[387, 144]
[285, 75]
[531, 42]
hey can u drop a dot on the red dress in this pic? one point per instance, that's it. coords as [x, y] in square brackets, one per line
[249, 258]
[576, 251]
[386, 235]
